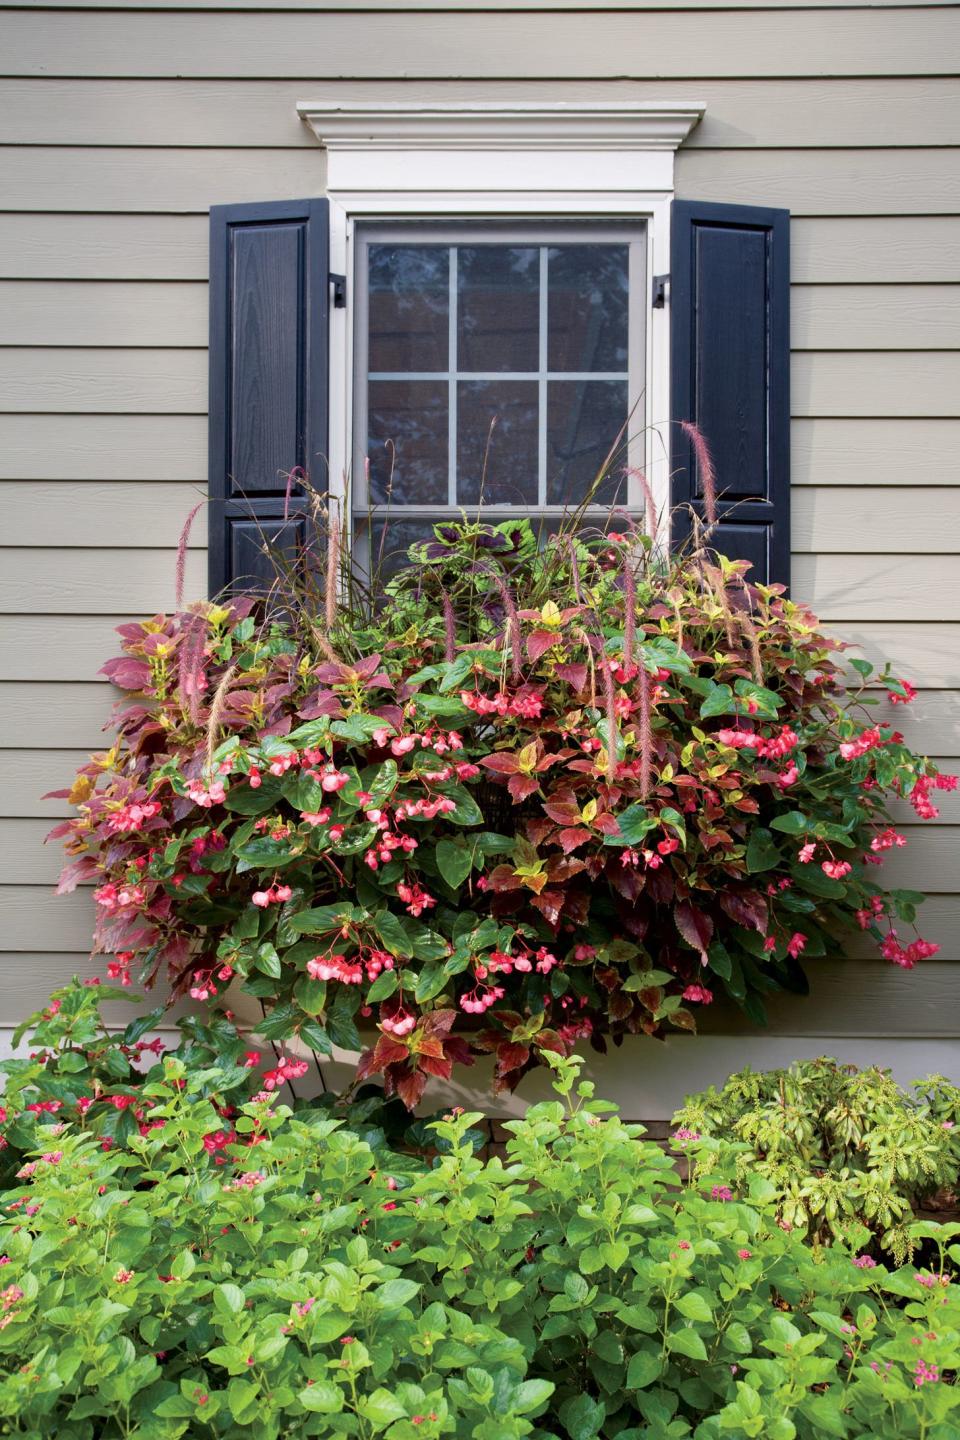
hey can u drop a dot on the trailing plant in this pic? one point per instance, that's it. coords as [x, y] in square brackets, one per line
[530, 796]
[840, 1146]
[297, 1281]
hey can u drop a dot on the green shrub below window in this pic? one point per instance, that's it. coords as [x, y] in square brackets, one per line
[292, 1279]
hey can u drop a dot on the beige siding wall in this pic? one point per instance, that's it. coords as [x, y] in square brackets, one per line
[119, 126]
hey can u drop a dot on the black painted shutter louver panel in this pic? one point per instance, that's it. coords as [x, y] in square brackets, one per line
[730, 375]
[269, 299]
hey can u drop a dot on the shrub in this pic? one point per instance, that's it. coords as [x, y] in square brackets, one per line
[573, 791]
[299, 1281]
[838, 1145]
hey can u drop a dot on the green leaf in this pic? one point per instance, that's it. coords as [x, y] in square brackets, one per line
[762, 853]
[643, 1369]
[718, 702]
[393, 933]
[229, 1299]
[582, 1417]
[395, 1293]
[383, 987]
[322, 1398]
[268, 961]
[381, 1408]
[530, 1395]
[634, 823]
[323, 919]
[687, 1342]
[793, 823]
[454, 861]
[244, 801]
[279, 1023]
[693, 1306]
[863, 667]
[316, 1037]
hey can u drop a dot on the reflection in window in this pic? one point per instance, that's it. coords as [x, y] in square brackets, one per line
[496, 369]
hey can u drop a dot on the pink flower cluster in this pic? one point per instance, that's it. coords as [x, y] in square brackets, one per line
[906, 956]
[123, 897]
[868, 740]
[276, 895]
[925, 1374]
[349, 972]
[526, 704]
[132, 817]
[285, 1070]
[919, 796]
[206, 796]
[773, 747]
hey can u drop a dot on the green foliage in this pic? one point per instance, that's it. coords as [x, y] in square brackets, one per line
[300, 1282]
[841, 1147]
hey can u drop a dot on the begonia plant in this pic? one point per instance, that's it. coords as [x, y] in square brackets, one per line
[524, 796]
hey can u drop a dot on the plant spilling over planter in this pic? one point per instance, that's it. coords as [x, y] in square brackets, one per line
[304, 1280]
[537, 796]
[841, 1147]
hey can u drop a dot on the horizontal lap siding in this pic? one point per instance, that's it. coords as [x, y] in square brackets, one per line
[120, 125]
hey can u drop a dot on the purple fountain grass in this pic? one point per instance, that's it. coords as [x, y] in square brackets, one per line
[296, 477]
[706, 470]
[610, 707]
[646, 737]
[190, 665]
[181, 570]
[512, 628]
[333, 570]
[630, 612]
[449, 629]
[217, 708]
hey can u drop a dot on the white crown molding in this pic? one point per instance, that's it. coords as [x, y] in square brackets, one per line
[622, 125]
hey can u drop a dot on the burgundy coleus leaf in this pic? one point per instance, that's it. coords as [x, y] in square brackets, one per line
[575, 675]
[695, 925]
[75, 871]
[502, 762]
[437, 1065]
[409, 1084]
[540, 641]
[511, 1056]
[562, 868]
[573, 837]
[520, 786]
[503, 878]
[550, 904]
[563, 808]
[321, 702]
[128, 673]
[747, 908]
[550, 1040]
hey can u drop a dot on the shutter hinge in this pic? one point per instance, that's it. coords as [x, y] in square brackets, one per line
[659, 295]
[339, 283]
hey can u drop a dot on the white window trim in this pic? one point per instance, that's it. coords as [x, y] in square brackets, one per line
[609, 160]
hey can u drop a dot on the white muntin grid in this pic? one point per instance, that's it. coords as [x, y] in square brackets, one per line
[542, 236]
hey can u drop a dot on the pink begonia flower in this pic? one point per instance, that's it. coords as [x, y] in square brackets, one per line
[836, 869]
[796, 945]
[807, 852]
[906, 699]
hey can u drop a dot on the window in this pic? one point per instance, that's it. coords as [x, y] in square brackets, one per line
[496, 364]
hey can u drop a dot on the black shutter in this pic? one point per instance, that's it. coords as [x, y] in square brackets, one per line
[730, 375]
[269, 297]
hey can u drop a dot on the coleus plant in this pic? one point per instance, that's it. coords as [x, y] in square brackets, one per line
[542, 795]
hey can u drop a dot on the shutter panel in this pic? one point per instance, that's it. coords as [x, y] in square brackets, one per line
[269, 297]
[730, 375]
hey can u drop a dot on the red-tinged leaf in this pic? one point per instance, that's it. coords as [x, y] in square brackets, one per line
[550, 905]
[620, 1005]
[583, 767]
[694, 925]
[606, 824]
[127, 673]
[458, 1051]
[747, 804]
[627, 881]
[502, 762]
[538, 830]
[74, 872]
[572, 838]
[410, 1087]
[539, 642]
[747, 908]
[368, 1065]
[563, 868]
[439, 1066]
[439, 1022]
[390, 1052]
[550, 1040]
[511, 1056]
[555, 757]
[575, 675]
[64, 828]
[651, 997]
[503, 878]
[563, 808]
[684, 1019]
[57, 795]
[430, 1046]
[520, 786]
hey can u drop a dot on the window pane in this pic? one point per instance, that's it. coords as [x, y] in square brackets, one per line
[508, 452]
[409, 288]
[412, 414]
[584, 418]
[389, 538]
[499, 307]
[588, 290]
